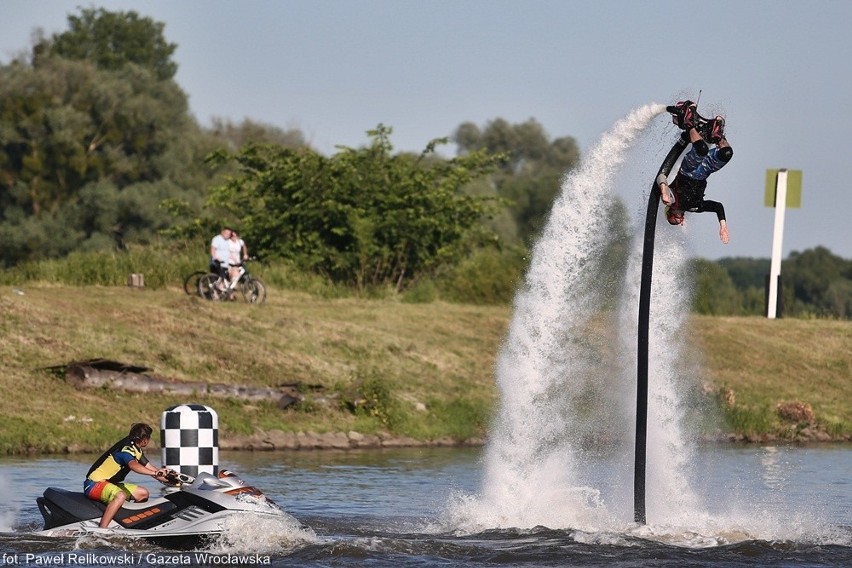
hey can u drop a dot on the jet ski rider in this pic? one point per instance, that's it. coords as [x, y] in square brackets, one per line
[105, 479]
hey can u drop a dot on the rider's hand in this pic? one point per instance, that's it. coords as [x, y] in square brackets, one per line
[723, 233]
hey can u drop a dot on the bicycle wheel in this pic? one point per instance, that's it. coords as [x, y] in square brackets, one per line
[207, 287]
[253, 290]
[190, 285]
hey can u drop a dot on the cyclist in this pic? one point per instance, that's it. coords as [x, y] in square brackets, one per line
[220, 252]
[237, 254]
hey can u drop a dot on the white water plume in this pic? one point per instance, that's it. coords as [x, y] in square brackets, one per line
[549, 372]
[9, 514]
[669, 497]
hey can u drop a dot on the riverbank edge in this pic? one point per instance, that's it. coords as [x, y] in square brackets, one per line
[277, 440]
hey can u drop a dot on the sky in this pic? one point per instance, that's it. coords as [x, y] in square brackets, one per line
[778, 70]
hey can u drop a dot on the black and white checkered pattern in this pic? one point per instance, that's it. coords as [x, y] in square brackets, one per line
[189, 437]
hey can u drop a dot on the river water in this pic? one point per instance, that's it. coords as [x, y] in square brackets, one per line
[766, 506]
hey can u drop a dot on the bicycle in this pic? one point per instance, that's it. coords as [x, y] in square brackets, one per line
[190, 283]
[215, 287]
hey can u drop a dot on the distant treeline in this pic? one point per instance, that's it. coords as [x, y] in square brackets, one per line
[99, 152]
[814, 283]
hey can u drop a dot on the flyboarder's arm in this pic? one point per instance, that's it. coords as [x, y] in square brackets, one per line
[719, 210]
[665, 193]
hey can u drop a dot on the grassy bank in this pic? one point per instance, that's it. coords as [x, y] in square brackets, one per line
[363, 364]
[418, 370]
[758, 364]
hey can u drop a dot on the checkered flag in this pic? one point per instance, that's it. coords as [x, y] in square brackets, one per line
[189, 437]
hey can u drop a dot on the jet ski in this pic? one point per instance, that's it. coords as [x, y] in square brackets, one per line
[192, 511]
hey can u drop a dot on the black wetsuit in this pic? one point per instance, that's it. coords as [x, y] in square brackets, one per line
[691, 180]
[689, 196]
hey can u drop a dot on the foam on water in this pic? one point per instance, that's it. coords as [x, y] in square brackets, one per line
[262, 534]
[8, 515]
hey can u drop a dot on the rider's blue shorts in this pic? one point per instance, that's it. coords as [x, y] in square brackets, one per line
[699, 168]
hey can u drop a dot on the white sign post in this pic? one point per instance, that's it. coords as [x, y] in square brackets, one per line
[777, 238]
[783, 189]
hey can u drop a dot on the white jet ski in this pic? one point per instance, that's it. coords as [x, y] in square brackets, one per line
[192, 511]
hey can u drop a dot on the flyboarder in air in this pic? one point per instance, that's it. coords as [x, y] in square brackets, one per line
[686, 192]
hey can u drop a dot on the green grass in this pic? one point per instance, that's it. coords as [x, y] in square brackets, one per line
[766, 362]
[400, 354]
[423, 370]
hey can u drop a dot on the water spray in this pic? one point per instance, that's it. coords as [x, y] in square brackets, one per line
[535, 459]
[640, 455]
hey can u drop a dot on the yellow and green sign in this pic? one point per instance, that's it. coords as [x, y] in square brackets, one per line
[794, 188]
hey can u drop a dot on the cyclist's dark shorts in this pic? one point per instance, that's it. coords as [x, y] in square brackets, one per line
[217, 267]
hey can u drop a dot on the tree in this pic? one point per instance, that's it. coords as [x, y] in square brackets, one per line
[747, 272]
[112, 40]
[91, 146]
[531, 172]
[715, 293]
[749, 276]
[820, 281]
[814, 282]
[63, 124]
[234, 136]
[363, 216]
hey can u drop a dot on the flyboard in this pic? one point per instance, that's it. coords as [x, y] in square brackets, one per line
[640, 454]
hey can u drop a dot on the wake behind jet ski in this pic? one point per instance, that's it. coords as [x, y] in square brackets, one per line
[193, 510]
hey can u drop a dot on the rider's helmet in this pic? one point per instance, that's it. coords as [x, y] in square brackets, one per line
[674, 216]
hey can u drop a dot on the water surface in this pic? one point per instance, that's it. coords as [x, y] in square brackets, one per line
[767, 506]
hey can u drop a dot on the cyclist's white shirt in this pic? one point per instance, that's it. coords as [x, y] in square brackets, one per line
[222, 249]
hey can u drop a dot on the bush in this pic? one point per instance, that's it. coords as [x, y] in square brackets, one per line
[422, 292]
[488, 276]
[286, 275]
[161, 266]
[370, 397]
[363, 217]
[749, 421]
[462, 419]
